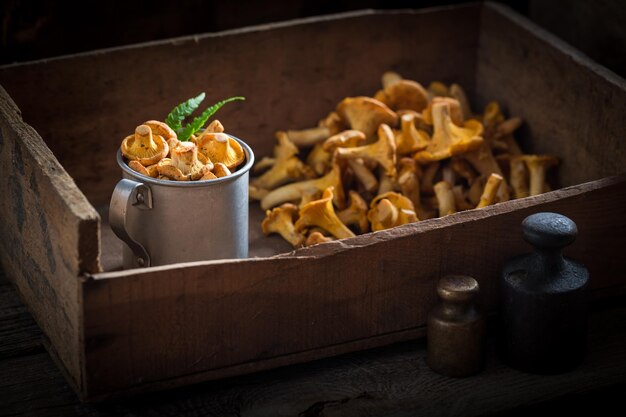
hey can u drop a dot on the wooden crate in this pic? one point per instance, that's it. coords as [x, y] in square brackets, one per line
[119, 332]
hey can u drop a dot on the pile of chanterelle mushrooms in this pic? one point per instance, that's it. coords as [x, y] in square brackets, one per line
[408, 154]
[157, 151]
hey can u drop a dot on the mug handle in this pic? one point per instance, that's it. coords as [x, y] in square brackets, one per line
[127, 194]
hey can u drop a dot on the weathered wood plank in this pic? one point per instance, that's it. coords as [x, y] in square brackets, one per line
[19, 334]
[292, 75]
[569, 110]
[320, 297]
[387, 381]
[49, 232]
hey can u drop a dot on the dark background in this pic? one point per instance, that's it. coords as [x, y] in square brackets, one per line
[34, 29]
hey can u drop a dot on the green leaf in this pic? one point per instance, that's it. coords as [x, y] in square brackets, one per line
[178, 114]
[198, 122]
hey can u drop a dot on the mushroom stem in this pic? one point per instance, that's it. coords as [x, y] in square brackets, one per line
[322, 214]
[355, 213]
[363, 174]
[445, 198]
[537, 167]
[280, 220]
[383, 151]
[457, 92]
[491, 188]
[293, 191]
[409, 183]
[519, 177]
[308, 137]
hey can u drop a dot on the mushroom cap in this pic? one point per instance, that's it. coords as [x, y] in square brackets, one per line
[144, 147]
[220, 170]
[321, 213]
[208, 176]
[285, 148]
[169, 171]
[535, 160]
[333, 122]
[137, 167]
[456, 112]
[184, 164]
[185, 157]
[161, 129]
[280, 220]
[404, 95]
[345, 139]
[214, 127]
[383, 151]
[449, 139]
[438, 89]
[219, 147]
[316, 238]
[366, 114]
[389, 210]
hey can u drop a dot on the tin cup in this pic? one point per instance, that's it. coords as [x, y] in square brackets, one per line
[164, 222]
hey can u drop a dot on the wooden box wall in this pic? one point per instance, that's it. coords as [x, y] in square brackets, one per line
[129, 331]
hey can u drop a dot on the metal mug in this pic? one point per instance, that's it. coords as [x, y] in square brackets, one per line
[164, 222]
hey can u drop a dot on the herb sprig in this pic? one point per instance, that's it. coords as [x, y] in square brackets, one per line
[179, 113]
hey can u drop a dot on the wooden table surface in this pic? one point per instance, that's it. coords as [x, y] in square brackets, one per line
[390, 381]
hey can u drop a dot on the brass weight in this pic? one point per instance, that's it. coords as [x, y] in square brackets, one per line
[456, 330]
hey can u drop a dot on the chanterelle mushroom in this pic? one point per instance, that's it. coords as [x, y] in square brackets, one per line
[488, 196]
[366, 114]
[355, 213]
[345, 139]
[389, 210]
[321, 213]
[410, 139]
[144, 147]
[308, 137]
[383, 151]
[456, 113]
[286, 167]
[149, 171]
[219, 147]
[449, 139]
[294, 191]
[184, 164]
[315, 238]
[404, 95]
[537, 167]
[445, 198]
[280, 220]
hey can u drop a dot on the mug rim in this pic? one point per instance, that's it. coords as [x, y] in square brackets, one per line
[192, 184]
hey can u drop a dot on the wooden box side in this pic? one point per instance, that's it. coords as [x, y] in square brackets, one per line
[573, 108]
[49, 234]
[292, 75]
[167, 326]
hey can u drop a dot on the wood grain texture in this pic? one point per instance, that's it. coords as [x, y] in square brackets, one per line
[393, 380]
[292, 75]
[19, 334]
[318, 298]
[49, 232]
[570, 111]
[174, 325]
